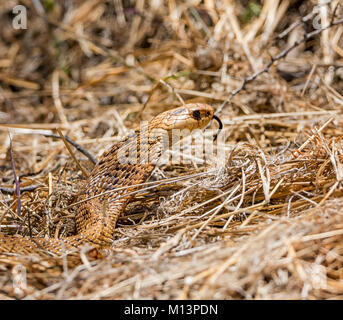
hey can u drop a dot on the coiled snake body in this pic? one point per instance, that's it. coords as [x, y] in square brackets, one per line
[96, 218]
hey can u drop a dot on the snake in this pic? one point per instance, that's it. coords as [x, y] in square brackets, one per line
[120, 171]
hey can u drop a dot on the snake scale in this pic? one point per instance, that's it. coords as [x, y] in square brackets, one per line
[96, 216]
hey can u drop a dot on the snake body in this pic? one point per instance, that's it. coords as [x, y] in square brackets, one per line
[97, 213]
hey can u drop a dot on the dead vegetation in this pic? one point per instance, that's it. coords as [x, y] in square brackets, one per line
[266, 225]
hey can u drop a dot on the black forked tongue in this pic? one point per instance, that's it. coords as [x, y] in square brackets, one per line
[220, 126]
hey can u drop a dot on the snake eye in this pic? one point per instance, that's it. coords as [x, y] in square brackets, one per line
[196, 115]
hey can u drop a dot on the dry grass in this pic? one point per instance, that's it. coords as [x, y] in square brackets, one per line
[268, 224]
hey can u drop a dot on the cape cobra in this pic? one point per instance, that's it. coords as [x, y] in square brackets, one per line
[96, 215]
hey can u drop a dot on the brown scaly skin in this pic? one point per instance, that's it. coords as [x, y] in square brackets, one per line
[96, 218]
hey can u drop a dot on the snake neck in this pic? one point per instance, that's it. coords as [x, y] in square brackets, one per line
[112, 181]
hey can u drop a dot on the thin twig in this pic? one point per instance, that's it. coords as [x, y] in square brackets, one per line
[76, 145]
[85, 173]
[17, 186]
[298, 151]
[173, 90]
[22, 189]
[295, 24]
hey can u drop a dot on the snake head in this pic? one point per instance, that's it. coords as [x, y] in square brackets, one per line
[190, 116]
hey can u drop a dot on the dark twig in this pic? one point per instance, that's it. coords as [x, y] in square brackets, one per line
[281, 55]
[22, 189]
[85, 173]
[17, 186]
[295, 24]
[29, 222]
[76, 145]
